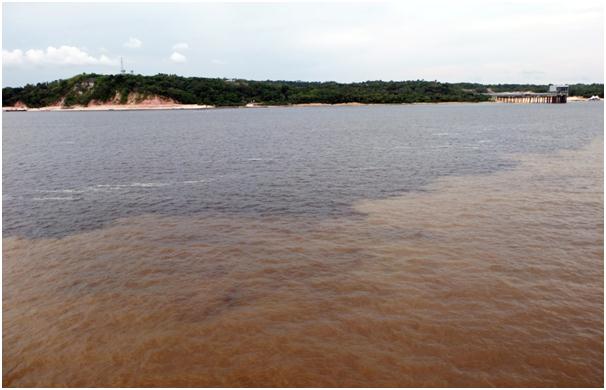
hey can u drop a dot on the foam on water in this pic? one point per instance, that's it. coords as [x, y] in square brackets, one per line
[59, 198]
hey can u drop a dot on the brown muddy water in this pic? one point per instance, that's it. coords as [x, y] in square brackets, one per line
[491, 279]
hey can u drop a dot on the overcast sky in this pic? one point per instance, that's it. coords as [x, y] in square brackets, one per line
[482, 41]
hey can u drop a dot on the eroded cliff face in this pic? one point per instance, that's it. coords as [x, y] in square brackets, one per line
[135, 98]
[20, 104]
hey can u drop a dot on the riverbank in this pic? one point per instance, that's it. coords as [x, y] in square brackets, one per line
[177, 106]
[112, 107]
[578, 99]
[145, 107]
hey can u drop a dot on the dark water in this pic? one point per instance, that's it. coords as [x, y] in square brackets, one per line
[450, 245]
[68, 172]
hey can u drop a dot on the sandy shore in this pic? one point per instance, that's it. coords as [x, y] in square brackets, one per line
[169, 106]
[147, 107]
[577, 99]
[113, 107]
[175, 106]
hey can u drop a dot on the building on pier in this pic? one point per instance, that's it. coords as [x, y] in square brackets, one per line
[559, 88]
[557, 94]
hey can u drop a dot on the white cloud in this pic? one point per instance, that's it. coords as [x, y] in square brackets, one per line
[178, 58]
[105, 60]
[218, 62]
[181, 46]
[36, 56]
[14, 57]
[62, 55]
[133, 43]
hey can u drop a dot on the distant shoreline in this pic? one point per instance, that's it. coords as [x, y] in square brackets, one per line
[146, 107]
[118, 92]
[176, 106]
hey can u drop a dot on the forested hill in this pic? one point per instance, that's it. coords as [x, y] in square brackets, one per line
[85, 89]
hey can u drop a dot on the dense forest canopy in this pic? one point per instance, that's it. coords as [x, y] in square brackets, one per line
[86, 88]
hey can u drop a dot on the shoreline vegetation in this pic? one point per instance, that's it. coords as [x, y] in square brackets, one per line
[94, 92]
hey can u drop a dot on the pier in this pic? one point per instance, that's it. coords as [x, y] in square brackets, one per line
[557, 94]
